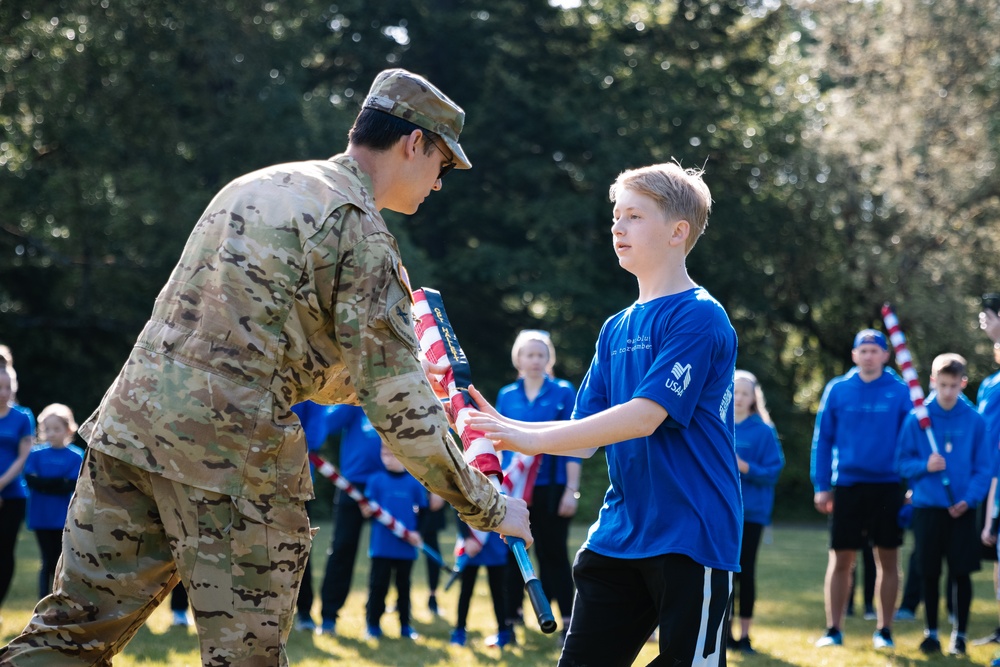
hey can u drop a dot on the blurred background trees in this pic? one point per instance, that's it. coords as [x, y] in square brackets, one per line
[851, 149]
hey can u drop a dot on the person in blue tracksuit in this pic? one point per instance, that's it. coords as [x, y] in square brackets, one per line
[947, 485]
[853, 463]
[760, 461]
[988, 402]
[360, 459]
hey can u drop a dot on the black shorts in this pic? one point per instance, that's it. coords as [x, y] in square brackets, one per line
[865, 513]
[937, 536]
[619, 602]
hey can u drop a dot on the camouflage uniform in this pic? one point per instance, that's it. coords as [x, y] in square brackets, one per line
[289, 288]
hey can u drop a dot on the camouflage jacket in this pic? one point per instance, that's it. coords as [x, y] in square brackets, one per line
[288, 289]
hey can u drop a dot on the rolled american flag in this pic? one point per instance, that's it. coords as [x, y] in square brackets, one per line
[905, 362]
[440, 345]
[329, 471]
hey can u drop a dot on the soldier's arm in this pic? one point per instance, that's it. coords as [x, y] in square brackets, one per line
[374, 330]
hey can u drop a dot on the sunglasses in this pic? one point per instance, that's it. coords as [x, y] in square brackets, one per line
[447, 166]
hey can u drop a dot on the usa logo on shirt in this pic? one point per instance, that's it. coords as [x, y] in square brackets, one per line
[682, 378]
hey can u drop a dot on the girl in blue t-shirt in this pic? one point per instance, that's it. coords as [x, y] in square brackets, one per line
[51, 472]
[17, 433]
[760, 460]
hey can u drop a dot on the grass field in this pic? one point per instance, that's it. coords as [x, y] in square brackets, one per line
[789, 617]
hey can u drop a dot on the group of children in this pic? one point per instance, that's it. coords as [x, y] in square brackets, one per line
[37, 477]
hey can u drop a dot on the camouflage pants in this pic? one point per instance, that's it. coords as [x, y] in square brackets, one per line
[131, 536]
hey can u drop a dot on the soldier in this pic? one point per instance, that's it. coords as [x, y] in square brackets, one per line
[290, 288]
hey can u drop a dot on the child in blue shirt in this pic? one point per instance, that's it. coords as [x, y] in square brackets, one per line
[659, 398]
[760, 461]
[402, 496]
[943, 525]
[493, 556]
[51, 471]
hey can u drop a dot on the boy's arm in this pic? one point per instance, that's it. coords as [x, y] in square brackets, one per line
[911, 464]
[637, 418]
[982, 466]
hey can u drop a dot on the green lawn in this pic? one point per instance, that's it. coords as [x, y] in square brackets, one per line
[789, 618]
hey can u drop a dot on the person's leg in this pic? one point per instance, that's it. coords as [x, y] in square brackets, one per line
[748, 587]
[551, 539]
[468, 585]
[50, 548]
[116, 568]
[340, 564]
[613, 613]
[304, 601]
[241, 562]
[513, 592]
[179, 598]
[404, 572]
[692, 601]
[963, 602]
[840, 564]
[912, 585]
[378, 586]
[495, 576]
[11, 518]
[886, 583]
[927, 537]
[430, 523]
[871, 580]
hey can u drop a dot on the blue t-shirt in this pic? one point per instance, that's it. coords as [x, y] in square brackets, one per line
[857, 425]
[960, 434]
[14, 427]
[678, 490]
[360, 443]
[47, 511]
[757, 444]
[402, 496]
[554, 402]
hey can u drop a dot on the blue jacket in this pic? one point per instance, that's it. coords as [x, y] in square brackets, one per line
[757, 444]
[960, 434]
[858, 423]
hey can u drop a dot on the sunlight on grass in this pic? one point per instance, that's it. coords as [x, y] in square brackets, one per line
[788, 619]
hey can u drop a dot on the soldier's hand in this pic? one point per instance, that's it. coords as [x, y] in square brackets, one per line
[515, 522]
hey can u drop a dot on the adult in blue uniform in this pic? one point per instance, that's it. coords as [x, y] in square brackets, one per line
[855, 480]
[360, 458]
[17, 434]
[538, 396]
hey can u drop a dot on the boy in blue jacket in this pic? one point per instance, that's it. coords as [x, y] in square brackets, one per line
[943, 525]
[853, 461]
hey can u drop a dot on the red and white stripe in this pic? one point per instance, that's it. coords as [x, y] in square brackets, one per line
[905, 362]
[479, 451]
[329, 471]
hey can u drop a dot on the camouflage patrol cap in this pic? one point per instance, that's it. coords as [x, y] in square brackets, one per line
[412, 97]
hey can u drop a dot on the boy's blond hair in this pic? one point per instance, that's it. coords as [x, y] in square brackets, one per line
[62, 412]
[681, 194]
[949, 363]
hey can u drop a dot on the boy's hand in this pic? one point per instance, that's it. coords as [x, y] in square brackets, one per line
[413, 537]
[366, 511]
[504, 435]
[481, 402]
[472, 548]
[936, 463]
[742, 465]
[958, 509]
[823, 502]
[515, 522]
[435, 502]
[987, 537]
